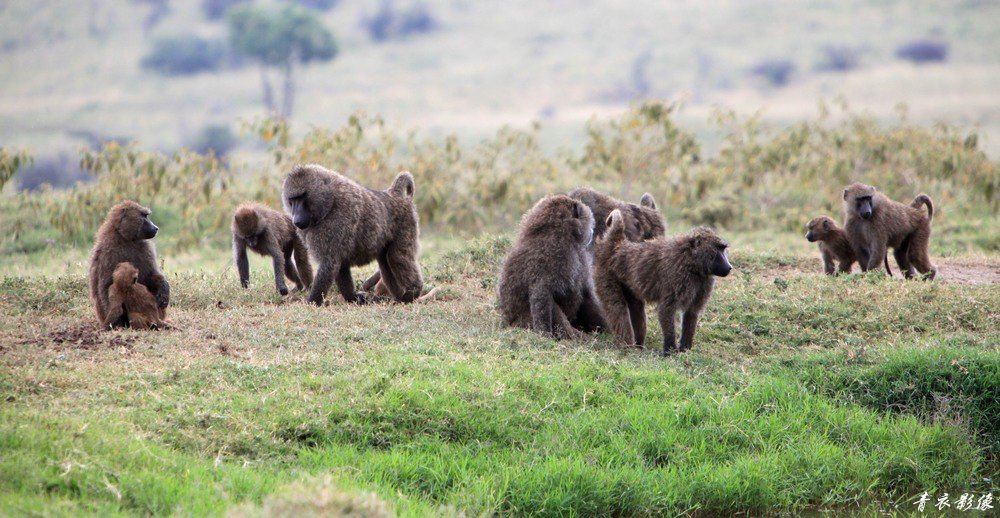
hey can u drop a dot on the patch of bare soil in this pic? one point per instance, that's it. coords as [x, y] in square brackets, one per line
[81, 336]
[951, 271]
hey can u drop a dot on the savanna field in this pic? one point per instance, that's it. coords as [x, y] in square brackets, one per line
[803, 392]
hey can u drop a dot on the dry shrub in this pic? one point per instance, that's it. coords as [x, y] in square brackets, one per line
[320, 497]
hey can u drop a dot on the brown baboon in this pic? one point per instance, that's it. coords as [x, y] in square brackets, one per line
[677, 273]
[345, 224]
[125, 236]
[545, 282]
[874, 223]
[834, 245]
[642, 221]
[270, 233]
[131, 302]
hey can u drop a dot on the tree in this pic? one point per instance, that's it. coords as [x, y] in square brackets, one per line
[279, 38]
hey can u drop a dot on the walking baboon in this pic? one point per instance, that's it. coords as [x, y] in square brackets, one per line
[834, 245]
[270, 233]
[125, 236]
[677, 273]
[874, 223]
[545, 282]
[345, 224]
[642, 221]
[131, 302]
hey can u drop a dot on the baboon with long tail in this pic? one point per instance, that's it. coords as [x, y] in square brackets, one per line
[874, 223]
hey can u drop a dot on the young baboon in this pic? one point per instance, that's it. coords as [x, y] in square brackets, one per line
[677, 273]
[874, 223]
[125, 236]
[270, 233]
[642, 221]
[345, 224]
[545, 282]
[834, 245]
[131, 302]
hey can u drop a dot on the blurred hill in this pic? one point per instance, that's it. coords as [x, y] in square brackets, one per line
[72, 69]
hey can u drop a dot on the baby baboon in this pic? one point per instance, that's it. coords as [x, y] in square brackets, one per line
[834, 245]
[125, 236]
[642, 221]
[270, 233]
[874, 223]
[677, 273]
[132, 302]
[545, 282]
[345, 224]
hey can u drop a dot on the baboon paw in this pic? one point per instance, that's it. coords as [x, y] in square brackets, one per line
[283, 291]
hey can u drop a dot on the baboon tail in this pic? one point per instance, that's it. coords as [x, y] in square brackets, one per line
[302, 265]
[403, 185]
[886, 259]
[923, 199]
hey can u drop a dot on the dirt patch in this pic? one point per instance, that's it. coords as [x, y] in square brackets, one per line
[950, 271]
[81, 336]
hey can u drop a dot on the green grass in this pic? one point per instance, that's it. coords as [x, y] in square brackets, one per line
[803, 392]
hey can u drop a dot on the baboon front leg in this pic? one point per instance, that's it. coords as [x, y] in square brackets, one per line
[291, 271]
[689, 323]
[828, 263]
[240, 258]
[346, 284]
[637, 316]
[562, 328]
[161, 290]
[323, 280]
[617, 313]
[902, 259]
[666, 314]
[116, 316]
[845, 267]
[278, 261]
[542, 306]
[876, 254]
[590, 315]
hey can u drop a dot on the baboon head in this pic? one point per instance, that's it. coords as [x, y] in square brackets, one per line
[647, 218]
[859, 199]
[133, 221]
[818, 229]
[558, 211]
[709, 252]
[125, 275]
[403, 186]
[246, 225]
[308, 194]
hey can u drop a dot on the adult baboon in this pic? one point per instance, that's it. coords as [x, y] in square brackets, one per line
[345, 224]
[270, 233]
[545, 282]
[677, 273]
[874, 223]
[834, 245]
[131, 302]
[125, 236]
[642, 221]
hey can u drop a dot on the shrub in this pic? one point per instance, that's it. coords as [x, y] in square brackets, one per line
[389, 23]
[775, 71]
[183, 55]
[215, 139]
[10, 163]
[59, 170]
[839, 59]
[923, 51]
[319, 5]
[216, 9]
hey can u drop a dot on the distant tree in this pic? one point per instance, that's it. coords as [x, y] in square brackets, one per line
[280, 38]
[215, 9]
[217, 139]
[839, 59]
[158, 10]
[184, 55]
[776, 71]
[923, 51]
[319, 5]
[389, 22]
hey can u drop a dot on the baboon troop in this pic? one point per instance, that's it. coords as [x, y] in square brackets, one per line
[874, 223]
[131, 302]
[345, 224]
[125, 236]
[545, 281]
[834, 246]
[642, 221]
[270, 233]
[676, 273]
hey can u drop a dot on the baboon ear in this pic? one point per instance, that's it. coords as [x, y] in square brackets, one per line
[614, 219]
[826, 224]
[403, 185]
[576, 210]
[845, 194]
[648, 201]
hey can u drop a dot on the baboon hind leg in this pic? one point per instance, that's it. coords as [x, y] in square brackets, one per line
[291, 271]
[372, 281]
[590, 316]
[918, 252]
[617, 312]
[637, 315]
[400, 274]
[902, 255]
[542, 308]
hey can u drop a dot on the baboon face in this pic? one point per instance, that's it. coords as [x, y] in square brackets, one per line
[859, 199]
[710, 252]
[125, 275]
[818, 228]
[135, 224]
[246, 225]
[307, 195]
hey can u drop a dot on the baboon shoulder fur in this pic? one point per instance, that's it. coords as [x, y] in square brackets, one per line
[890, 224]
[545, 281]
[270, 233]
[352, 225]
[642, 221]
[119, 240]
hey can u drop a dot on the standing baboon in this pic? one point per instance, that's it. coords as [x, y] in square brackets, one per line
[131, 302]
[642, 221]
[125, 236]
[874, 223]
[270, 233]
[677, 273]
[545, 282]
[345, 224]
[834, 245]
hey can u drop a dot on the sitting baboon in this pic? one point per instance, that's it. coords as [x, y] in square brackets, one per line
[545, 282]
[131, 302]
[345, 224]
[834, 245]
[642, 221]
[270, 233]
[125, 236]
[677, 273]
[874, 223]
